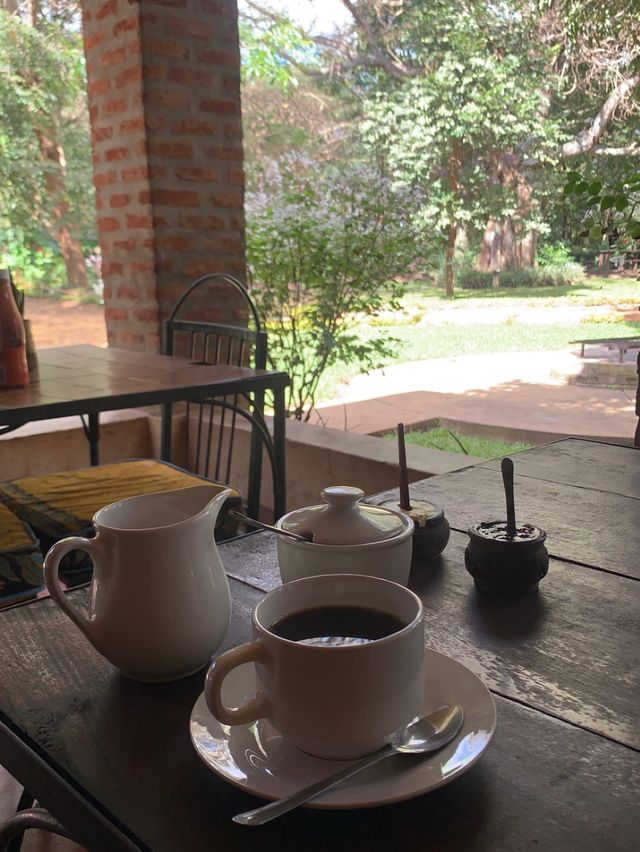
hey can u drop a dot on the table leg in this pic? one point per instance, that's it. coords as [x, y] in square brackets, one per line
[165, 444]
[279, 438]
[93, 436]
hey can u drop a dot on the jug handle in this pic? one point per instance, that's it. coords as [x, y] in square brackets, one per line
[52, 582]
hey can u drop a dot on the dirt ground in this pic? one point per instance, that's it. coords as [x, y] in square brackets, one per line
[56, 322]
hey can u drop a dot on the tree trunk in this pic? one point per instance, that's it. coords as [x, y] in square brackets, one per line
[506, 243]
[70, 247]
[453, 166]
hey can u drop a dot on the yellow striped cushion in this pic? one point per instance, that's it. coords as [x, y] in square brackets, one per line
[20, 559]
[61, 504]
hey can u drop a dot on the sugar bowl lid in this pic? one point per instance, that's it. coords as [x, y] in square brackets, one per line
[343, 519]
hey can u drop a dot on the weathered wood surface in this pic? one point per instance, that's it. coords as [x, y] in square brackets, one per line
[570, 650]
[542, 783]
[87, 379]
[587, 464]
[582, 524]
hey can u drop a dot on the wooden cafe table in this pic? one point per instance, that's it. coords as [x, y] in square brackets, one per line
[87, 380]
[112, 758]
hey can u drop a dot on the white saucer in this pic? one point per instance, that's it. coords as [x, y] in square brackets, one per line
[256, 759]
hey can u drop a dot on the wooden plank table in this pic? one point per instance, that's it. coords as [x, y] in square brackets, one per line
[86, 380]
[112, 758]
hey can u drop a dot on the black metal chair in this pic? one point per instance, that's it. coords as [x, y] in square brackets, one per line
[211, 428]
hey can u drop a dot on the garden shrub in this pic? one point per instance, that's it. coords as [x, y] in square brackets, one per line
[559, 275]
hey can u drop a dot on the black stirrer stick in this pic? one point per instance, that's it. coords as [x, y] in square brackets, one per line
[507, 479]
[405, 502]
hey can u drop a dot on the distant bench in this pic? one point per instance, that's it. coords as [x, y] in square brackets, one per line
[619, 343]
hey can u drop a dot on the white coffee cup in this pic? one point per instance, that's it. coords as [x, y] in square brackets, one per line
[332, 701]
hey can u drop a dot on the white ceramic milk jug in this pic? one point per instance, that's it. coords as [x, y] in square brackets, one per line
[160, 603]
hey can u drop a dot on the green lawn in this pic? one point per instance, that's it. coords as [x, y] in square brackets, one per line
[443, 439]
[417, 339]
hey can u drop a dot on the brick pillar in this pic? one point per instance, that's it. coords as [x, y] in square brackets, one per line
[164, 99]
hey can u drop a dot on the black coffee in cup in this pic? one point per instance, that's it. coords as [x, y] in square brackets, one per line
[337, 625]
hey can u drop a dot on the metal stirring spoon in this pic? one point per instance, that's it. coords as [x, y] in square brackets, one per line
[427, 734]
[252, 521]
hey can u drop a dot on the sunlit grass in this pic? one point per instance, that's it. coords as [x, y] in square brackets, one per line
[444, 439]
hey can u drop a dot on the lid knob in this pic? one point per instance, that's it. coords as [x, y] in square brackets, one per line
[341, 496]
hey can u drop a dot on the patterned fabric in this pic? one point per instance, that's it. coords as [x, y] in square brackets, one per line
[62, 504]
[20, 560]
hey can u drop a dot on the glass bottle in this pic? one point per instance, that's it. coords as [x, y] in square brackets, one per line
[14, 372]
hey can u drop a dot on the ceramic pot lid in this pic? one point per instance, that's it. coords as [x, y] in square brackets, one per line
[343, 520]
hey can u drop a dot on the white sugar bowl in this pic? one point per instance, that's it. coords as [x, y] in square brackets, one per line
[347, 537]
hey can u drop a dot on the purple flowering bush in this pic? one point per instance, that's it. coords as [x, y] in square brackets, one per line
[326, 246]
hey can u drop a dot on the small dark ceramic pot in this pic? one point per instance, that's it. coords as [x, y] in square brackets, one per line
[431, 532]
[503, 565]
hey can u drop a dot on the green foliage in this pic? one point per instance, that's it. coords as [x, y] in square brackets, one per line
[478, 94]
[43, 110]
[610, 205]
[550, 275]
[324, 251]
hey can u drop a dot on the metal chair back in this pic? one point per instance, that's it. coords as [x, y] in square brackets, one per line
[211, 451]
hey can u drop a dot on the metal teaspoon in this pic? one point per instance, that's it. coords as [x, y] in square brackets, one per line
[270, 527]
[427, 734]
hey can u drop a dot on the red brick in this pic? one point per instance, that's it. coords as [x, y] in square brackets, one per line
[119, 200]
[99, 134]
[108, 224]
[146, 314]
[115, 106]
[144, 197]
[129, 293]
[228, 199]
[236, 176]
[132, 125]
[173, 49]
[188, 77]
[220, 107]
[114, 154]
[138, 265]
[116, 314]
[104, 178]
[154, 121]
[225, 152]
[125, 245]
[99, 87]
[175, 243]
[193, 127]
[171, 99]
[175, 197]
[219, 57]
[138, 221]
[113, 57]
[128, 76]
[112, 268]
[191, 28]
[193, 173]
[156, 171]
[200, 223]
[125, 25]
[153, 72]
[134, 173]
[93, 40]
[127, 339]
[170, 149]
[108, 8]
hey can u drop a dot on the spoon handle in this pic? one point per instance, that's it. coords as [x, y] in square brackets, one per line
[507, 479]
[252, 522]
[266, 813]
